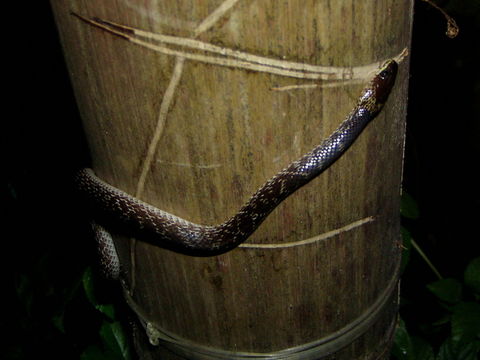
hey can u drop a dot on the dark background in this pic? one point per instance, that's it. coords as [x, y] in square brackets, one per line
[46, 246]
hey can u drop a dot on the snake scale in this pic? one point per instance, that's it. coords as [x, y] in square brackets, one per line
[114, 207]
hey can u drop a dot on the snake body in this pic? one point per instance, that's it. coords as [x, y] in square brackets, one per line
[114, 207]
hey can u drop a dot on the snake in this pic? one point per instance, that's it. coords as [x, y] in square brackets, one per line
[114, 208]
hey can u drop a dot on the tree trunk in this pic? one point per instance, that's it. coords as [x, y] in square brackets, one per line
[195, 132]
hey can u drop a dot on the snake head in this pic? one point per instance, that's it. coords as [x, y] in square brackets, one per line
[383, 81]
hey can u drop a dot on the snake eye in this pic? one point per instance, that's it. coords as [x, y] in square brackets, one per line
[389, 69]
[384, 73]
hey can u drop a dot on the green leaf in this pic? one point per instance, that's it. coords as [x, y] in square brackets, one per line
[448, 290]
[408, 206]
[89, 287]
[406, 347]
[107, 309]
[402, 343]
[12, 191]
[422, 349]
[466, 321]
[115, 340]
[58, 321]
[25, 293]
[407, 247]
[92, 353]
[458, 350]
[69, 293]
[445, 319]
[472, 276]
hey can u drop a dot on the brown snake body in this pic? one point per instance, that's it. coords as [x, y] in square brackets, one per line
[114, 207]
